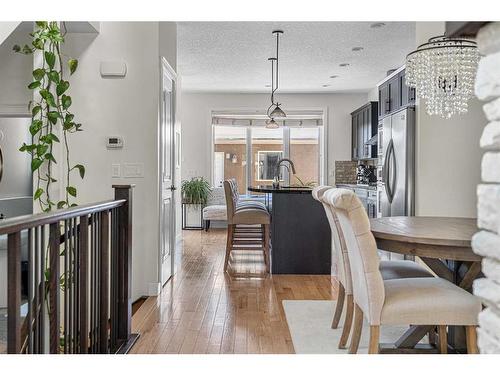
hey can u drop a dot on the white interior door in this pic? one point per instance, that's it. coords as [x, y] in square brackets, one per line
[167, 170]
[218, 169]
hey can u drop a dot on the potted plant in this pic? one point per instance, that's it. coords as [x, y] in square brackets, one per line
[195, 194]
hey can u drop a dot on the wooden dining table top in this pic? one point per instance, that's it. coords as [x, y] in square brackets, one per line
[442, 231]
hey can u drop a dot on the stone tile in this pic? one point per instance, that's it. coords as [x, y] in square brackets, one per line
[492, 110]
[488, 207]
[488, 291]
[490, 139]
[491, 269]
[486, 244]
[488, 39]
[488, 77]
[490, 171]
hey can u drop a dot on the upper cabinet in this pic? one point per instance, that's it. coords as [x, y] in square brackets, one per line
[364, 130]
[394, 94]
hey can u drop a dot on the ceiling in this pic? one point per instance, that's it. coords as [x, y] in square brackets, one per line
[232, 56]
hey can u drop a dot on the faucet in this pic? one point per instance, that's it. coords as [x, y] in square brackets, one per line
[277, 170]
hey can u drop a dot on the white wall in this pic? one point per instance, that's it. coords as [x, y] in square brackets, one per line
[127, 107]
[196, 127]
[448, 156]
[15, 73]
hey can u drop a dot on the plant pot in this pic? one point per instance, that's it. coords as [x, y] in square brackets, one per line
[192, 216]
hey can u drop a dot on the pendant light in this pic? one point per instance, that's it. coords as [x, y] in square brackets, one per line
[276, 112]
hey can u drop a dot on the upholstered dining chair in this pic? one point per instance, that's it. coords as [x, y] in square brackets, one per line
[247, 224]
[390, 269]
[409, 301]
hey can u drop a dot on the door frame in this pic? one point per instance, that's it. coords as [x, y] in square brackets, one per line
[166, 69]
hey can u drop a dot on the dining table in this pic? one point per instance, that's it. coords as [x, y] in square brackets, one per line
[443, 244]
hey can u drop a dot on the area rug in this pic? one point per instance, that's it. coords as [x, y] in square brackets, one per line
[310, 327]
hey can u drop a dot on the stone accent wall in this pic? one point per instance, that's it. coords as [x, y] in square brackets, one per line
[345, 172]
[487, 242]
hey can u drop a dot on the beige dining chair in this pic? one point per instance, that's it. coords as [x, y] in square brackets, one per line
[410, 301]
[247, 224]
[390, 269]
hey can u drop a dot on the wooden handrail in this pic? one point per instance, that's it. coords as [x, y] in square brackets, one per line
[79, 278]
[24, 222]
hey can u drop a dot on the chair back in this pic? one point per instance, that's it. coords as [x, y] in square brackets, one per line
[340, 258]
[367, 282]
[217, 197]
[232, 196]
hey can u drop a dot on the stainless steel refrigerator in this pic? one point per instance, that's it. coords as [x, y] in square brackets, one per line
[16, 184]
[396, 195]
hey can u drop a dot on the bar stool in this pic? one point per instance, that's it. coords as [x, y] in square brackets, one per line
[247, 224]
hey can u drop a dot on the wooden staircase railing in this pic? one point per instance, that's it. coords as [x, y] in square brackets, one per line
[76, 296]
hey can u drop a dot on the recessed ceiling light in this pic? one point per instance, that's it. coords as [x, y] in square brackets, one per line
[268, 85]
[377, 25]
[334, 76]
[344, 65]
[357, 49]
[326, 85]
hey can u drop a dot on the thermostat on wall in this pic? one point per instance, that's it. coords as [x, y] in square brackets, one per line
[114, 142]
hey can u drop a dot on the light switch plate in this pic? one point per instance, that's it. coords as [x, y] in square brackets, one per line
[115, 171]
[133, 170]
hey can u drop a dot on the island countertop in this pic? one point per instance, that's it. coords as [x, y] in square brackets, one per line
[280, 189]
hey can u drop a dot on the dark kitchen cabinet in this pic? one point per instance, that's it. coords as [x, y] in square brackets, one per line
[394, 94]
[406, 94]
[364, 128]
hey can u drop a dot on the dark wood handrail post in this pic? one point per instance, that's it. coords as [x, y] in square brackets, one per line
[124, 262]
[14, 293]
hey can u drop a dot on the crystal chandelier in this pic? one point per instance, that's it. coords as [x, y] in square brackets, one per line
[442, 71]
[277, 112]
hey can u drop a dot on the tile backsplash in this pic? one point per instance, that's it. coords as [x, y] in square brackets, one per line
[345, 171]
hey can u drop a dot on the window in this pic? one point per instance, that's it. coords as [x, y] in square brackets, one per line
[244, 149]
[230, 156]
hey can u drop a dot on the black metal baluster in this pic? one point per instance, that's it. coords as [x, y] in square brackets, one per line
[37, 273]
[65, 330]
[70, 287]
[30, 291]
[43, 250]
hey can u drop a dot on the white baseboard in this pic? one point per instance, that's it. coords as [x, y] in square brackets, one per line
[154, 289]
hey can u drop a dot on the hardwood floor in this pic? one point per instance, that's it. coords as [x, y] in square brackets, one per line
[204, 310]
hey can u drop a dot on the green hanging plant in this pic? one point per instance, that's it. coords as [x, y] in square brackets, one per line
[50, 111]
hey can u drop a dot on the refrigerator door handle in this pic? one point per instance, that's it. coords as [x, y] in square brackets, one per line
[1, 164]
[386, 175]
[394, 172]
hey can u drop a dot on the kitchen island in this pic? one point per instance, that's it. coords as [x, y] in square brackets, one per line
[300, 233]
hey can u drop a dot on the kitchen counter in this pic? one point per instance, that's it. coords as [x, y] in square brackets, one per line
[300, 233]
[280, 189]
[357, 186]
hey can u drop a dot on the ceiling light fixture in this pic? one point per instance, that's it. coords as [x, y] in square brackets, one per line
[271, 124]
[334, 76]
[276, 112]
[343, 65]
[326, 85]
[443, 72]
[377, 25]
[357, 49]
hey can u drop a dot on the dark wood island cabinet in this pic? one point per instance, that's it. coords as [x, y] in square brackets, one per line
[300, 233]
